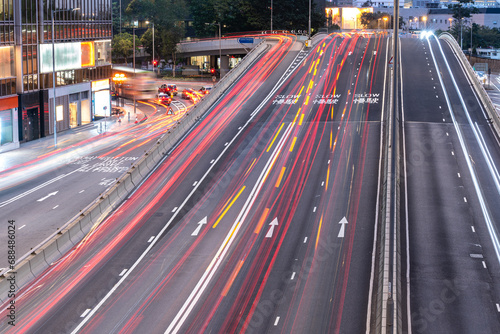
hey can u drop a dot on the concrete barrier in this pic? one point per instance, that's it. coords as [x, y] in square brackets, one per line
[31, 265]
[481, 92]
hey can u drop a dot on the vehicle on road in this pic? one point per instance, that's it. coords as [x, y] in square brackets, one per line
[136, 84]
[170, 89]
[187, 94]
[205, 89]
[164, 99]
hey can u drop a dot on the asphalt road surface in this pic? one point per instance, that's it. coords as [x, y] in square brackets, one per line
[452, 196]
[261, 220]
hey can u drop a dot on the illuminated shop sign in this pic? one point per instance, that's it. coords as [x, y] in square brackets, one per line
[100, 85]
[69, 56]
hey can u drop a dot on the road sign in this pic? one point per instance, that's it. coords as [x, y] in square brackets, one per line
[245, 40]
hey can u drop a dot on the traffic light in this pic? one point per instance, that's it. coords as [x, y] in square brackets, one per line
[212, 71]
[155, 63]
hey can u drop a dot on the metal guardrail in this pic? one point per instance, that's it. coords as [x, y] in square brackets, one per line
[59, 243]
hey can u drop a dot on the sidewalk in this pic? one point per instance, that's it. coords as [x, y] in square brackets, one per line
[36, 148]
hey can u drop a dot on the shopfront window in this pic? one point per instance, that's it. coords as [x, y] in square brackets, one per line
[6, 133]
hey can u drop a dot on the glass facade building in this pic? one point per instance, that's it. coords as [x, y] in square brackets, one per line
[80, 32]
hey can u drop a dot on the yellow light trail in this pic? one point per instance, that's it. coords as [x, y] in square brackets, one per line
[301, 118]
[261, 221]
[232, 277]
[228, 207]
[271, 167]
[327, 177]
[277, 133]
[280, 177]
[307, 100]
[293, 143]
[319, 231]
[249, 168]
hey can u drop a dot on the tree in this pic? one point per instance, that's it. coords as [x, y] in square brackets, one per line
[168, 24]
[251, 15]
[462, 9]
[372, 20]
[122, 46]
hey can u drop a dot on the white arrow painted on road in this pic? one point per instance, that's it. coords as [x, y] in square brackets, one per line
[342, 223]
[51, 194]
[271, 229]
[200, 224]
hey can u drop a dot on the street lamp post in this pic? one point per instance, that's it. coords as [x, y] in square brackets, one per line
[133, 64]
[309, 26]
[54, 69]
[271, 16]
[220, 43]
[153, 61]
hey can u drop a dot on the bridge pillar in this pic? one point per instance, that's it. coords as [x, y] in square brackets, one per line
[224, 66]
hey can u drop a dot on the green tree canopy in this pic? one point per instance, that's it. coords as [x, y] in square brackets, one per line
[168, 18]
[122, 46]
[252, 15]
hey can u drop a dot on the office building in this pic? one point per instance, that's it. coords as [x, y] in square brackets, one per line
[82, 57]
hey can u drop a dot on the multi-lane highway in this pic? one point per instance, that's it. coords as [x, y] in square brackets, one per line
[262, 219]
[42, 194]
[451, 196]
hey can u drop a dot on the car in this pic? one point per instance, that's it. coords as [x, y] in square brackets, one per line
[170, 89]
[187, 94]
[164, 99]
[173, 88]
[205, 89]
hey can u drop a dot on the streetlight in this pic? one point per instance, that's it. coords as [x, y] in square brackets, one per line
[450, 19]
[271, 16]
[54, 68]
[385, 20]
[220, 45]
[153, 61]
[425, 21]
[309, 26]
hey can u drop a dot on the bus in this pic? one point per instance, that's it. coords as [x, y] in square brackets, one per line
[129, 83]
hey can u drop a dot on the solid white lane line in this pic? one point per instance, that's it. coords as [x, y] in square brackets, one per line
[136, 263]
[491, 229]
[219, 257]
[85, 313]
[123, 272]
